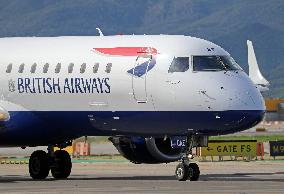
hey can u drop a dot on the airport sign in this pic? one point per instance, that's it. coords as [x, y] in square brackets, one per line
[276, 148]
[229, 148]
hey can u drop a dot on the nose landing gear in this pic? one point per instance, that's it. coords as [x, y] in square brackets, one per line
[58, 162]
[185, 170]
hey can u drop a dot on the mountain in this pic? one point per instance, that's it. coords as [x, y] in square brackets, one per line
[227, 23]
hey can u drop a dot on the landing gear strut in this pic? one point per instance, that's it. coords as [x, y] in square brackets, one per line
[186, 170]
[58, 162]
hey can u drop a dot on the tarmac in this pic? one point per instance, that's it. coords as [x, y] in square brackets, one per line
[124, 177]
[116, 175]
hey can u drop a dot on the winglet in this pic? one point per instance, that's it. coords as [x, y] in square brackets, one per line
[254, 72]
[100, 32]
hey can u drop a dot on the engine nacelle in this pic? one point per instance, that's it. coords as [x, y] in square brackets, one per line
[146, 150]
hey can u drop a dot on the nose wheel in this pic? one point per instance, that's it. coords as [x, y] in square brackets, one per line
[185, 170]
[58, 162]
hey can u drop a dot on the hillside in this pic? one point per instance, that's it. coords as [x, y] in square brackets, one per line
[227, 23]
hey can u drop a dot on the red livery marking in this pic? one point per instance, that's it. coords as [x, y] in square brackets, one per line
[127, 51]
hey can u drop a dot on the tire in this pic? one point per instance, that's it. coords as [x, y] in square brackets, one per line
[38, 165]
[62, 165]
[182, 172]
[193, 172]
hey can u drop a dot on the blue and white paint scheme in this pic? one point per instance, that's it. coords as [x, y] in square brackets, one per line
[57, 89]
[156, 96]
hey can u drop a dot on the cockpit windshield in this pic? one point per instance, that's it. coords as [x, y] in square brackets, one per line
[214, 63]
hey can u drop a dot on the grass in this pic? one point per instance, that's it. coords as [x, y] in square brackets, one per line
[259, 138]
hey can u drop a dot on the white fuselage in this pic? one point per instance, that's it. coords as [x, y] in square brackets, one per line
[112, 88]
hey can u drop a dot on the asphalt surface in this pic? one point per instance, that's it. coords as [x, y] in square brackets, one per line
[125, 177]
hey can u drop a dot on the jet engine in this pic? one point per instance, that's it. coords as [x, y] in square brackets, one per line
[147, 150]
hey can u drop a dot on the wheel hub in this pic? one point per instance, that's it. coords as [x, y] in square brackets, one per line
[179, 172]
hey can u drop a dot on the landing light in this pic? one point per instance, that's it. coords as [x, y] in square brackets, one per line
[4, 116]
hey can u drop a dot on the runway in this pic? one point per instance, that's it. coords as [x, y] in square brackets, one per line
[125, 177]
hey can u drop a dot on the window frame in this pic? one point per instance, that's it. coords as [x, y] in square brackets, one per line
[21, 68]
[96, 68]
[45, 68]
[175, 57]
[83, 68]
[108, 68]
[238, 68]
[71, 68]
[57, 68]
[9, 68]
[33, 68]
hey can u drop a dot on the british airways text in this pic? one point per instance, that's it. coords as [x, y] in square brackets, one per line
[67, 85]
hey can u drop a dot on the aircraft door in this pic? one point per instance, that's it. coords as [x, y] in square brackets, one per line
[139, 78]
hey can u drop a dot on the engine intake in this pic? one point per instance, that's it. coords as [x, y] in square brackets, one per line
[146, 150]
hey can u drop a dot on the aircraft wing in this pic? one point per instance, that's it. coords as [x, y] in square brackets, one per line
[254, 72]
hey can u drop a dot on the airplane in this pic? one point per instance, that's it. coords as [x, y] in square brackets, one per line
[155, 96]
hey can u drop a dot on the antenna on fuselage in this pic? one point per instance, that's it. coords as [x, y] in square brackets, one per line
[100, 32]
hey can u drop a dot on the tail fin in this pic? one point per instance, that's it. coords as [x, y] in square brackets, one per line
[254, 72]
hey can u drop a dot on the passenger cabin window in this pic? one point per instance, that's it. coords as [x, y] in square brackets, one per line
[33, 68]
[214, 63]
[9, 68]
[108, 67]
[58, 67]
[83, 68]
[70, 67]
[179, 64]
[21, 68]
[45, 68]
[96, 68]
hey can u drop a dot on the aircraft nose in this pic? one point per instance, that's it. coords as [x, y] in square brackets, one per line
[240, 93]
[247, 103]
[247, 119]
[242, 103]
[252, 98]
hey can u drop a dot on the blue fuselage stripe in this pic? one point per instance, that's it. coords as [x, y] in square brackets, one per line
[43, 127]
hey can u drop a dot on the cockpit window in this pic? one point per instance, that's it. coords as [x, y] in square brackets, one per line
[179, 64]
[214, 63]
